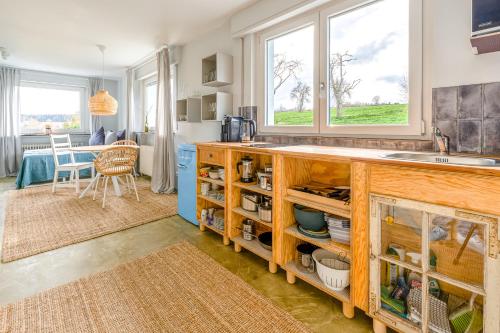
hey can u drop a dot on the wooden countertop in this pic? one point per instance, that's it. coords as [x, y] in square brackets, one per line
[352, 154]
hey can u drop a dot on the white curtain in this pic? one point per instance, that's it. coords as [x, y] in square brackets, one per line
[10, 136]
[95, 84]
[163, 178]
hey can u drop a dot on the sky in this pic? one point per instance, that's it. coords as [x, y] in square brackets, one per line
[377, 37]
[38, 101]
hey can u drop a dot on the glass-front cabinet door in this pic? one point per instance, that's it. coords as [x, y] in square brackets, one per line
[433, 268]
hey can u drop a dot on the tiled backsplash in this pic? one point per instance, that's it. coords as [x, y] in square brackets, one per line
[470, 116]
[415, 145]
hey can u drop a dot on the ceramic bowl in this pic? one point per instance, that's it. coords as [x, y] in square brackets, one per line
[308, 218]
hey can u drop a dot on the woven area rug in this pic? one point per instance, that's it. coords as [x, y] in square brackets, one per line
[178, 289]
[37, 220]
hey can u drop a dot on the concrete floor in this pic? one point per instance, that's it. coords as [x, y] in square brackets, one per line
[28, 276]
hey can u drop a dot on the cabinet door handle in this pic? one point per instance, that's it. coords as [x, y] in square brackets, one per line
[210, 155]
[182, 166]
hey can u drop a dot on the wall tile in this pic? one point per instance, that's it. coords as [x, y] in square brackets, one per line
[470, 102]
[469, 136]
[446, 103]
[389, 144]
[367, 143]
[449, 128]
[492, 136]
[492, 100]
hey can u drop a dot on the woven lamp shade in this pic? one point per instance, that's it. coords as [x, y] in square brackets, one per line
[102, 104]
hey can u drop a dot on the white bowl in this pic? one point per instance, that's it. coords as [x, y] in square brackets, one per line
[213, 174]
[333, 271]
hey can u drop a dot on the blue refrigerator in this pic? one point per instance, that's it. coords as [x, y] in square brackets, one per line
[186, 182]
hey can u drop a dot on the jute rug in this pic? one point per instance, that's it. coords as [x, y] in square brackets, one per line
[37, 220]
[178, 289]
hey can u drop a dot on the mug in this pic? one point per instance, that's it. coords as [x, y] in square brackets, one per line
[307, 262]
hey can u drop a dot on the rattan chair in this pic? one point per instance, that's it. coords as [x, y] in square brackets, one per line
[114, 162]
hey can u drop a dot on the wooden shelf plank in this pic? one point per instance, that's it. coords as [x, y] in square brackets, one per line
[214, 201]
[319, 206]
[254, 247]
[214, 229]
[327, 244]
[314, 280]
[251, 215]
[213, 181]
[253, 188]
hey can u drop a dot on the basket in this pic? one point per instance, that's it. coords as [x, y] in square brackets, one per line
[333, 270]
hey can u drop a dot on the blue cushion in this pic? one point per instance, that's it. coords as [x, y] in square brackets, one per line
[97, 137]
[110, 137]
[120, 135]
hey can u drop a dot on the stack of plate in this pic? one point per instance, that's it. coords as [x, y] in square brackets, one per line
[321, 234]
[339, 228]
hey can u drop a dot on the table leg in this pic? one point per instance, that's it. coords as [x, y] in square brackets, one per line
[89, 187]
[116, 186]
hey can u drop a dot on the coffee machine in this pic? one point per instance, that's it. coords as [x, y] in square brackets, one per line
[242, 128]
[232, 128]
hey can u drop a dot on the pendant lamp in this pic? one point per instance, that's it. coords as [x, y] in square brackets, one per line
[102, 103]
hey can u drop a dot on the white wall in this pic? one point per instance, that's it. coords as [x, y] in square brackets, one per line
[189, 80]
[453, 62]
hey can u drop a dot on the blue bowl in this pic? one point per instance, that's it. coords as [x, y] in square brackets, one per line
[308, 218]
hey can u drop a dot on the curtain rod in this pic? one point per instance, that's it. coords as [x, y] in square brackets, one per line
[147, 58]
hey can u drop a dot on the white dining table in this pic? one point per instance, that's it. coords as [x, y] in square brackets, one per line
[95, 150]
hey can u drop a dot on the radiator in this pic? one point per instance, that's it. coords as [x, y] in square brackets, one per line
[146, 160]
[36, 146]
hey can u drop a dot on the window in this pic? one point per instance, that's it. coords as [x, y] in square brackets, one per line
[56, 106]
[150, 104]
[344, 70]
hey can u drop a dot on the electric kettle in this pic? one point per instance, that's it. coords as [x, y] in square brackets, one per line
[249, 128]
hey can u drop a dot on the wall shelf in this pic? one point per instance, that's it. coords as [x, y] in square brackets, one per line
[211, 227]
[217, 70]
[254, 247]
[188, 110]
[213, 181]
[253, 188]
[215, 106]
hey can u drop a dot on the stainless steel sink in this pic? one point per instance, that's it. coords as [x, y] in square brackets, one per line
[444, 159]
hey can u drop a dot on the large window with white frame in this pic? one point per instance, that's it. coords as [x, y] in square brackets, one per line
[351, 68]
[57, 107]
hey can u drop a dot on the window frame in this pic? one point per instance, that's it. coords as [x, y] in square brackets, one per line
[146, 82]
[321, 17]
[275, 32]
[83, 90]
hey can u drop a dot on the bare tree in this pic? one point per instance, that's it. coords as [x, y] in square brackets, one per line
[376, 100]
[284, 69]
[403, 87]
[340, 85]
[302, 94]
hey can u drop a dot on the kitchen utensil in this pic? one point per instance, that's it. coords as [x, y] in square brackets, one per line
[204, 188]
[268, 168]
[248, 130]
[250, 201]
[266, 240]
[308, 218]
[246, 169]
[264, 179]
[304, 259]
[333, 270]
[265, 212]
[248, 230]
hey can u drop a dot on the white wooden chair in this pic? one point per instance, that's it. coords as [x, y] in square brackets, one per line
[60, 145]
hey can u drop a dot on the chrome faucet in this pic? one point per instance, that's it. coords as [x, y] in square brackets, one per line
[443, 142]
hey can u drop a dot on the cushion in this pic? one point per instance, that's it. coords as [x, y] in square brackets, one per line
[120, 135]
[97, 138]
[110, 137]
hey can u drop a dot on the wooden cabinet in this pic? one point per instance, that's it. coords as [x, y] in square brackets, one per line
[215, 156]
[429, 262]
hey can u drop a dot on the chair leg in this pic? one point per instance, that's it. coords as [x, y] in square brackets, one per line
[98, 177]
[128, 183]
[54, 182]
[106, 178]
[77, 181]
[135, 188]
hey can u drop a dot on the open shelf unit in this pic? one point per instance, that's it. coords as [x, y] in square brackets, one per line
[215, 106]
[212, 158]
[217, 70]
[238, 214]
[298, 171]
[188, 110]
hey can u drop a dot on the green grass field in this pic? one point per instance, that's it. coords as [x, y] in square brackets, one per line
[356, 115]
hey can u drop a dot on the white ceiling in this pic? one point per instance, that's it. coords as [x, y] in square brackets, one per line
[60, 35]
